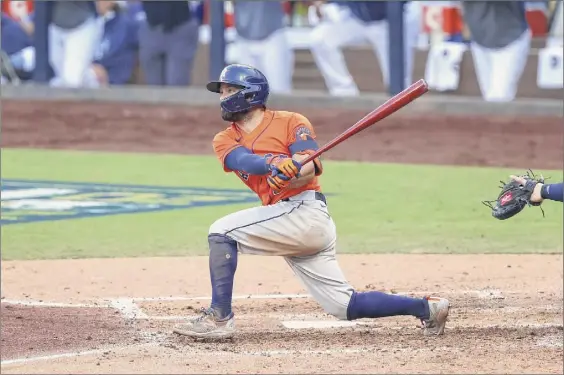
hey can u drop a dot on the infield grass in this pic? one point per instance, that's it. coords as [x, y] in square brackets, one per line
[378, 208]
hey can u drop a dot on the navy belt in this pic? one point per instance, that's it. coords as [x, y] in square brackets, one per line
[319, 196]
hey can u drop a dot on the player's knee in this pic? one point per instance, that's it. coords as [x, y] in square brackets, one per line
[319, 39]
[218, 227]
[338, 310]
[338, 304]
[219, 242]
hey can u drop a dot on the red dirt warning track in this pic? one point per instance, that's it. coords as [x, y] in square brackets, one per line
[434, 139]
[507, 309]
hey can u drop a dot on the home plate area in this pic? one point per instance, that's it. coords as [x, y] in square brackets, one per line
[489, 331]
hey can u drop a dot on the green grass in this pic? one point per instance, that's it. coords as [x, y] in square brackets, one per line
[378, 208]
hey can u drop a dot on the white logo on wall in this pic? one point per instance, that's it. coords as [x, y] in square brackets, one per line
[29, 201]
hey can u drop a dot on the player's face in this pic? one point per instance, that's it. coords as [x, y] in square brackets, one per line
[226, 90]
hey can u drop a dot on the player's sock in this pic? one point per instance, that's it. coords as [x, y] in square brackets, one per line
[379, 305]
[223, 264]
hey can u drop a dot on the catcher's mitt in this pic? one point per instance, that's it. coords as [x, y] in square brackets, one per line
[514, 197]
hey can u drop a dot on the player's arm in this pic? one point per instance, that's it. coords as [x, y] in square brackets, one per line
[234, 157]
[302, 143]
[552, 192]
[307, 172]
[242, 159]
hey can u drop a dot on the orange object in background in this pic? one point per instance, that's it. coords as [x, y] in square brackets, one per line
[452, 20]
[442, 18]
[17, 9]
[538, 22]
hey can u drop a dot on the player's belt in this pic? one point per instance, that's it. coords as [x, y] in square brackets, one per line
[319, 196]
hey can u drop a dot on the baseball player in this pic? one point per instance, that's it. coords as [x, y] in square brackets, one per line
[168, 42]
[73, 36]
[115, 56]
[350, 22]
[264, 148]
[501, 40]
[520, 192]
[262, 41]
[16, 41]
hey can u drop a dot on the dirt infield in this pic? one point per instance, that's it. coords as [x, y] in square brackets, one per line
[115, 316]
[506, 317]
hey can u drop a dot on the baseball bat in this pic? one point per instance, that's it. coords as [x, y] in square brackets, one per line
[400, 100]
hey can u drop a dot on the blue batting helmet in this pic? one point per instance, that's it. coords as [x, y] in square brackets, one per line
[254, 87]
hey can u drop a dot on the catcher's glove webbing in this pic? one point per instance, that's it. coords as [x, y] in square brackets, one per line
[514, 197]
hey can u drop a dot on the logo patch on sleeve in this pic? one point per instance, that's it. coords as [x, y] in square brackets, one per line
[303, 133]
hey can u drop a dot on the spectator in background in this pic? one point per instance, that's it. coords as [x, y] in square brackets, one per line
[73, 36]
[262, 42]
[500, 43]
[115, 57]
[168, 41]
[134, 10]
[17, 44]
[354, 21]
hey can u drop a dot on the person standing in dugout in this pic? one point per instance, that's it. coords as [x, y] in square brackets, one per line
[500, 43]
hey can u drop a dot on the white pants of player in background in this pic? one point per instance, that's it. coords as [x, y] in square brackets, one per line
[24, 60]
[340, 28]
[499, 70]
[273, 56]
[89, 79]
[71, 52]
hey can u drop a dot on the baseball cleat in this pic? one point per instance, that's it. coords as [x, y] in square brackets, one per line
[207, 325]
[438, 314]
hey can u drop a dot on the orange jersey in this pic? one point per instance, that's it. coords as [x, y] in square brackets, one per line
[275, 135]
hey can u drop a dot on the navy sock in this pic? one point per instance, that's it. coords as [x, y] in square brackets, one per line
[223, 264]
[379, 305]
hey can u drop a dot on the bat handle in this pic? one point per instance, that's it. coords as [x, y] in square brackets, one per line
[312, 157]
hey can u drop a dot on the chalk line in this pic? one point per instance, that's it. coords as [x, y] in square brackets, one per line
[243, 317]
[53, 304]
[483, 293]
[207, 298]
[128, 308]
[282, 352]
[327, 324]
[25, 360]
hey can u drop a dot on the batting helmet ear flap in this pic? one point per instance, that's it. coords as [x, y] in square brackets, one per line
[250, 96]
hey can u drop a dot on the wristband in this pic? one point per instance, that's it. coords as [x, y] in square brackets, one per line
[543, 191]
[552, 192]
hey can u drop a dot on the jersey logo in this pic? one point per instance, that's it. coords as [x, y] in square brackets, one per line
[302, 133]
